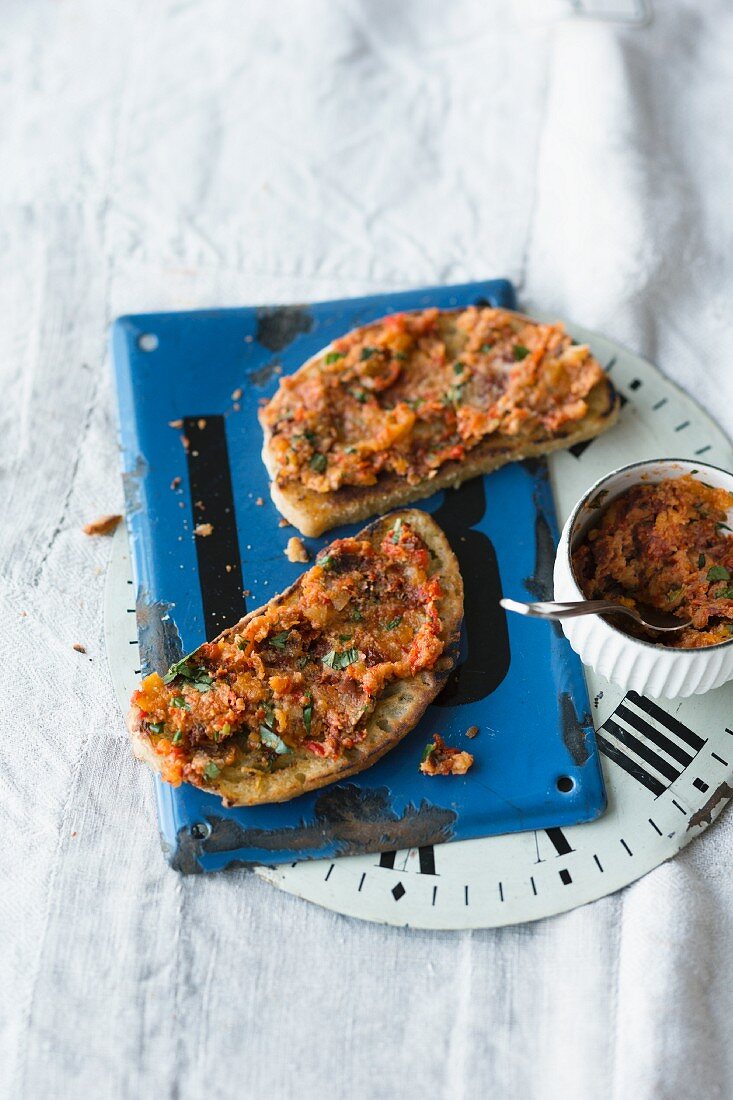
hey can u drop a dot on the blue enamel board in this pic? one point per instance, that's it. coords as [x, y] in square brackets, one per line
[201, 375]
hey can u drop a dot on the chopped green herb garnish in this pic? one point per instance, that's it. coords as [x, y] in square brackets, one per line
[225, 730]
[718, 573]
[427, 751]
[345, 637]
[241, 645]
[725, 594]
[273, 741]
[179, 702]
[156, 727]
[701, 561]
[724, 527]
[396, 530]
[394, 622]
[334, 356]
[453, 396]
[367, 353]
[356, 615]
[302, 662]
[211, 770]
[318, 462]
[326, 562]
[520, 352]
[339, 661]
[196, 675]
[399, 355]
[308, 717]
[279, 640]
[350, 450]
[358, 395]
[674, 595]
[486, 347]
[176, 737]
[458, 368]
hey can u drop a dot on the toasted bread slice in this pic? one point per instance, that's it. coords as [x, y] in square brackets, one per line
[399, 706]
[314, 511]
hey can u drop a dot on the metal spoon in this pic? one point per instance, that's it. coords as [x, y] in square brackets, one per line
[662, 622]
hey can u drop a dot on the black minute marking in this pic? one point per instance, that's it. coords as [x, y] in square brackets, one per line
[626, 846]
[655, 827]
[719, 759]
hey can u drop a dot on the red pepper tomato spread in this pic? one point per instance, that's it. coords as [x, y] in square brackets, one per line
[441, 759]
[665, 545]
[416, 390]
[305, 672]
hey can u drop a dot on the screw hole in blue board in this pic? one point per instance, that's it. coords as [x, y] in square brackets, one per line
[148, 341]
[565, 784]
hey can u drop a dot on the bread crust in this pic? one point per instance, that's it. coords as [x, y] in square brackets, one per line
[398, 709]
[313, 513]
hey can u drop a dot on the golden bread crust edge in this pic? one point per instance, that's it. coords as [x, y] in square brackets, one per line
[395, 715]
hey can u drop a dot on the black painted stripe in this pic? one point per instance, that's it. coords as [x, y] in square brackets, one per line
[427, 860]
[668, 720]
[387, 859]
[212, 501]
[630, 766]
[559, 841]
[654, 735]
[657, 762]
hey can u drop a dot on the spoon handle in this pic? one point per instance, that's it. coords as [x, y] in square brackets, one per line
[550, 610]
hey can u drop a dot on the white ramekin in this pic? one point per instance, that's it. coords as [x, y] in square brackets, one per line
[646, 667]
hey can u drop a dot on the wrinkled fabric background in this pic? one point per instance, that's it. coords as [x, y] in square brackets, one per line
[212, 152]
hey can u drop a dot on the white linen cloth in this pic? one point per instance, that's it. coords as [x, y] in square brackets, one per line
[214, 152]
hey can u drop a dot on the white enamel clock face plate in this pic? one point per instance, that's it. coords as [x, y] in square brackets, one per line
[668, 765]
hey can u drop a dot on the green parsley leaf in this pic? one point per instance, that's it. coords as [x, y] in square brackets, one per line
[674, 595]
[211, 770]
[458, 368]
[325, 562]
[701, 561]
[273, 741]
[334, 356]
[225, 730]
[356, 615]
[176, 737]
[427, 751]
[718, 573]
[156, 727]
[345, 637]
[318, 462]
[179, 702]
[279, 640]
[396, 530]
[196, 675]
[400, 355]
[453, 396]
[241, 645]
[367, 353]
[358, 395]
[308, 717]
[394, 622]
[486, 347]
[339, 661]
[726, 594]
[520, 352]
